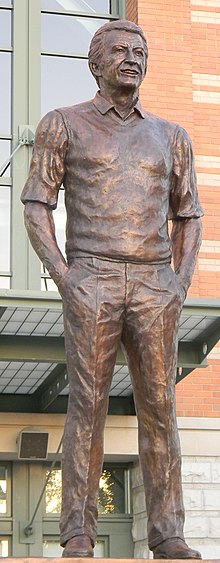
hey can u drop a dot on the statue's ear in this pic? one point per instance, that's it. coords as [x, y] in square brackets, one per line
[96, 69]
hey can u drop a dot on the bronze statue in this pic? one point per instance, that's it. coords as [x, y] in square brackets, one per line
[125, 172]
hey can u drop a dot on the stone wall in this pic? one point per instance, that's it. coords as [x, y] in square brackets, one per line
[201, 487]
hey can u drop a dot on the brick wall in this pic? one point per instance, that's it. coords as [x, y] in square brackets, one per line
[183, 85]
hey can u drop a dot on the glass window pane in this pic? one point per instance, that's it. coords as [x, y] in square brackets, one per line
[4, 282]
[5, 28]
[100, 6]
[52, 548]
[68, 34]
[53, 492]
[99, 549]
[4, 544]
[5, 229]
[5, 93]
[47, 284]
[59, 216]
[111, 492]
[5, 147]
[75, 84]
[3, 490]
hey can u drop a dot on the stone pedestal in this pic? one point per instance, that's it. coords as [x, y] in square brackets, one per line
[98, 560]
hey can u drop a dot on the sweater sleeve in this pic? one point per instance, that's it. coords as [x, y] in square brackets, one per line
[47, 168]
[184, 202]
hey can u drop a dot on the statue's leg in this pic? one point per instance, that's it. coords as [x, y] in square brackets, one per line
[93, 311]
[150, 339]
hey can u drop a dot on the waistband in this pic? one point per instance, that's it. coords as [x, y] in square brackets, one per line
[87, 257]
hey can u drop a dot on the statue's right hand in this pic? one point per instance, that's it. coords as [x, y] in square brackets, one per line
[63, 283]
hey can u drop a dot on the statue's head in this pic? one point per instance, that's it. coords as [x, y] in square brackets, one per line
[120, 44]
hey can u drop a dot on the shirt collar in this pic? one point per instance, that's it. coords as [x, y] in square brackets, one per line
[104, 105]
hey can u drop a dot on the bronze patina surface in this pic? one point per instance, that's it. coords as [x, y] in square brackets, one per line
[125, 172]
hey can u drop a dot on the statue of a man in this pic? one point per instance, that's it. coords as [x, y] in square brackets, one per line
[124, 172]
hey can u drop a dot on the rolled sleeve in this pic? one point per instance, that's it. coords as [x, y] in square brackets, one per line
[184, 202]
[47, 168]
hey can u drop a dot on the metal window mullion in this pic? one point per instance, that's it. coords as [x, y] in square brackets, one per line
[5, 182]
[65, 55]
[118, 8]
[127, 485]
[5, 274]
[6, 49]
[5, 137]
[91, 15]
[34, 113]
[19, 115]
[6, 7]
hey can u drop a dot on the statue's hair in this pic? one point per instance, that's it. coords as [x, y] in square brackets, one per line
[97, 43]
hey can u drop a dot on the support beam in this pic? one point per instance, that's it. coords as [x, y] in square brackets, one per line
[52, 300]
[50, 389]
[37, 349]
[183, 372]
[32, 348]
[189, 355]
[30, 404]
[51, 349]
[209, 339]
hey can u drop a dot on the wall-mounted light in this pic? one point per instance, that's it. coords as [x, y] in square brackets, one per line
[32, 444]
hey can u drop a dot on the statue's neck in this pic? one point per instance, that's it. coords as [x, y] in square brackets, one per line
[123, 101]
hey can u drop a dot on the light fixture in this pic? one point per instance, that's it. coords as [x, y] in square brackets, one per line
[32, 444]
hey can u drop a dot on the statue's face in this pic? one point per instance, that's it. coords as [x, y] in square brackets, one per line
[123, 62]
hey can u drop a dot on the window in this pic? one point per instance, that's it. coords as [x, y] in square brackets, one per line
[67, 28]
[5, 503]
[5, 509]
[114, 528]
[114, 522]
[113, 491]
[43, 51]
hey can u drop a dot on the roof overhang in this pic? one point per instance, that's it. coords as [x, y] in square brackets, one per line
[32, 355]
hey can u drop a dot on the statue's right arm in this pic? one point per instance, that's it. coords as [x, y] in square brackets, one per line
[40, 193]
[41, 231]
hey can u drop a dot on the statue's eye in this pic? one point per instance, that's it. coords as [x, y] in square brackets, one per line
[139, 53]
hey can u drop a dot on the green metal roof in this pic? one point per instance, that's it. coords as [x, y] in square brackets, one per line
[32, 356]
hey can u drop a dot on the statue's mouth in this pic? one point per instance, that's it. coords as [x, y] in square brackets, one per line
[129, 71]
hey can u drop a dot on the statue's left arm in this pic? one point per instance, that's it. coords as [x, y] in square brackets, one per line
[185, 211]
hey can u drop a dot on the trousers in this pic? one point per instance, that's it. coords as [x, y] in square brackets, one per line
[106, 302]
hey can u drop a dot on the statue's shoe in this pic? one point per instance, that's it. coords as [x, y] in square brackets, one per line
[79, 546]
[175, 548]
